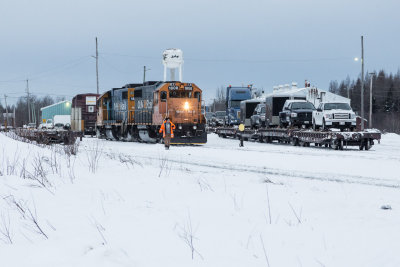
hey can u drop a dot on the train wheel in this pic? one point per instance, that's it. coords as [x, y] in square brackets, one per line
[334, 145]
[294, 141]
[98, 134]
[367, 144]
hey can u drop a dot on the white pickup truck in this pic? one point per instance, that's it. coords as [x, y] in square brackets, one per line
[334, 115]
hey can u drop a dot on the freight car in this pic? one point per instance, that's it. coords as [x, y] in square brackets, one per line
[135, 112]
[304, 137]
[83, 113]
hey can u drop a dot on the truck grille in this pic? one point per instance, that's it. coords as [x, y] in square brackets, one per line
[304, 115]
[340, 116]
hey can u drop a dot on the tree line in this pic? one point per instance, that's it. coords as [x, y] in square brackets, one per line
[385, 98]
[21, 109]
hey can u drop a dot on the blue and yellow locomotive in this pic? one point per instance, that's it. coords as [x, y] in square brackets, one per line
[135, 112]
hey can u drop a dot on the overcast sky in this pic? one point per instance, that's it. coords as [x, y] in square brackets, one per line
[262, 42]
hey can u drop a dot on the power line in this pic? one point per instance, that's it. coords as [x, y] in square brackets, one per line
[242, 60]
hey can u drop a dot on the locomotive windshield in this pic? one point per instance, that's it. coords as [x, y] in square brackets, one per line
[180, 94]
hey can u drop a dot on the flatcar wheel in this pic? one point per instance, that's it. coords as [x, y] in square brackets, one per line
[294, 141]
[361, 147]
[340, 145]
[367, 144]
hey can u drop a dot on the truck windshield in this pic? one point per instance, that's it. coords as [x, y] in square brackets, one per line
[220, 114]
[302, 105]
[209, 115]
[235, 103]
[343, 106]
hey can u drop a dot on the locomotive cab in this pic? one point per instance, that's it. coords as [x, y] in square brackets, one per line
[181, 102]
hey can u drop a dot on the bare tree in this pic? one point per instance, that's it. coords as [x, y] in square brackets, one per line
[5, 229]
[187, 235]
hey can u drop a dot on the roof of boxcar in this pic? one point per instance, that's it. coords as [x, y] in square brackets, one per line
[88, 94]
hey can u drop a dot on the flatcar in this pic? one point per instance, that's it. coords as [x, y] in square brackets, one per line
[83, 113]
[135, 112]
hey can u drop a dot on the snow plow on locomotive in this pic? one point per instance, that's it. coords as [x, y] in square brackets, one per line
[135, 112]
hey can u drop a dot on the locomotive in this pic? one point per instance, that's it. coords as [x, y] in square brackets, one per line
[135, 112]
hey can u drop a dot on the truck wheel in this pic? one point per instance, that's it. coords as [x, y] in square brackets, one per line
[323, 125]
[314, 126]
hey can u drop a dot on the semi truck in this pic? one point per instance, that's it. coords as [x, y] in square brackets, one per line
[234, 95]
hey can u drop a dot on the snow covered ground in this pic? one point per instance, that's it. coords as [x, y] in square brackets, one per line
[132, 204]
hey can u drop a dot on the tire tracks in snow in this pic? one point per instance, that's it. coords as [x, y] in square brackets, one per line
[328, 177]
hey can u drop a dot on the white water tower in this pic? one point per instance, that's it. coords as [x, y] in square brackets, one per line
[172, 60]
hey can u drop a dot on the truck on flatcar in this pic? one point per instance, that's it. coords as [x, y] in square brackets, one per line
[234, 95]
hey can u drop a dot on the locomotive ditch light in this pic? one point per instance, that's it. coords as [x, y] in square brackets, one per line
[186, 106]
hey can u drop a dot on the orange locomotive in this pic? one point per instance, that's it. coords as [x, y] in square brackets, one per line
[135, 112]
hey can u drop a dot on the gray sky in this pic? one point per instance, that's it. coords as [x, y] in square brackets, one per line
[263, 42]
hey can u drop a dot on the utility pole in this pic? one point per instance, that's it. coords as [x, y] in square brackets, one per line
[28, 100]
[6, 121]
[97, 67]
[362, 83]
[144, 74]
[370, 101]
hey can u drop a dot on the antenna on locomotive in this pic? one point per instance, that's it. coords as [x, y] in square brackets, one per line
[172, 60]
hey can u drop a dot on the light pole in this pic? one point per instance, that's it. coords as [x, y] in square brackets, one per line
[362, 83]
[370, 100]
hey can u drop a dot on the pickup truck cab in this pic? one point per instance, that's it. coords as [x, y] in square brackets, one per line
[296, 113]
[257, 120]
[47, 125]
[219, 118]
[334, 115]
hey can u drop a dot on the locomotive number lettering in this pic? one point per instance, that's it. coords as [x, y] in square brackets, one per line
[173, 86]
[140, 104]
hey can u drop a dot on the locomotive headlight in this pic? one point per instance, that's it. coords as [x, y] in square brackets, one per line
[186, 106]
[180, 127]
[194, 127]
